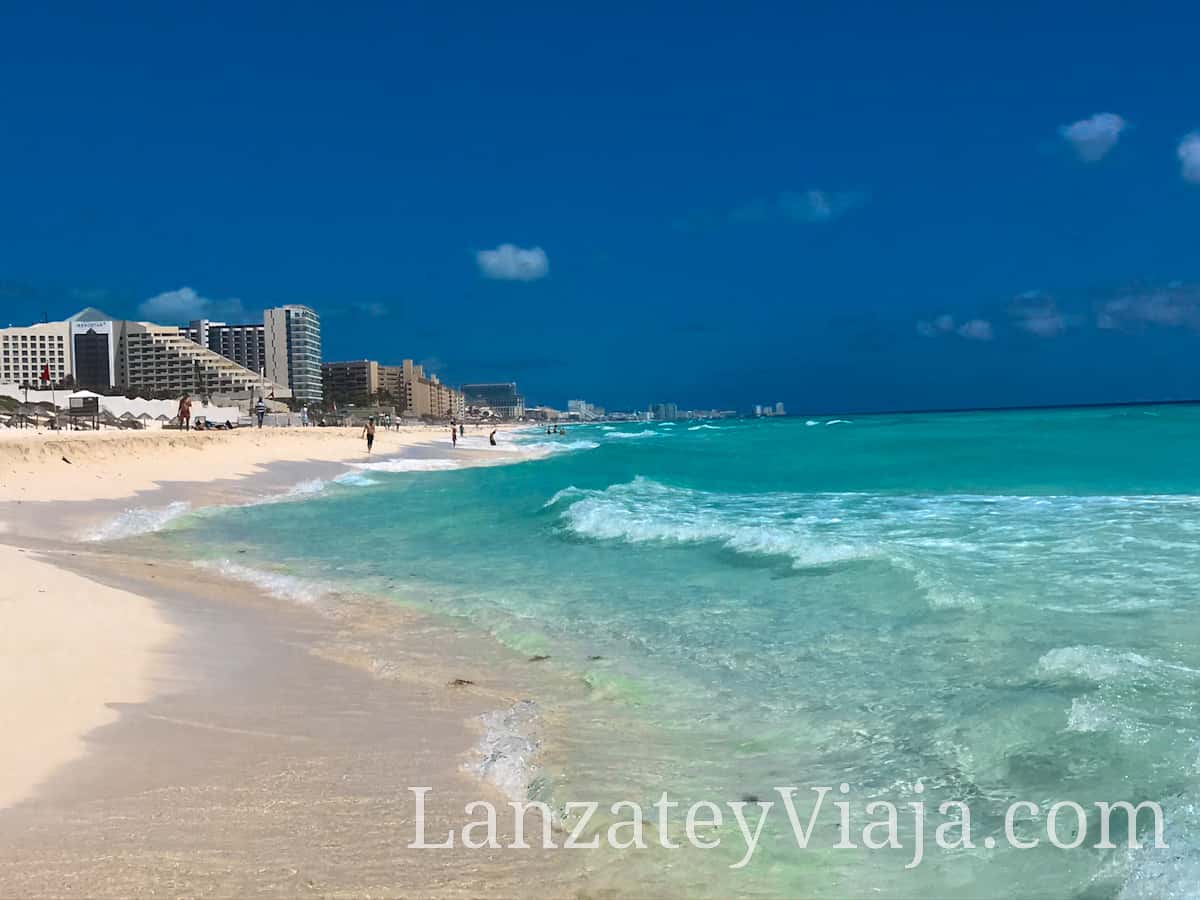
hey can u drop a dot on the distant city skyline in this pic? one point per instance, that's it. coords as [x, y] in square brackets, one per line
[839, 211]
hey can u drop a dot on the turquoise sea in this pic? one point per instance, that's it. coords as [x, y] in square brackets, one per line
[980, 606]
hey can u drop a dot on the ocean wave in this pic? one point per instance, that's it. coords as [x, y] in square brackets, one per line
[404, 464]
[145, 520]
[355, 479]
[1113, 552]
[504, 443]
[1103, 664]
[547, 447]
[1097, 664]
[304, 488]
[704, 428]
[838, 422]
[632, 435]
[507, 751]
[1155, 874]
[140, 520]
[311, 487]
[277, 584]
[1089, 716]
[644, 510]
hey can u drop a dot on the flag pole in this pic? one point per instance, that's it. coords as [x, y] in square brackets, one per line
[53, 406]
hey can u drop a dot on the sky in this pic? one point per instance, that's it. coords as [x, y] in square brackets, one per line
[840, 206]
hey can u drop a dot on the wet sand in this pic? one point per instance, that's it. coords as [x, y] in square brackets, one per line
[275, 762]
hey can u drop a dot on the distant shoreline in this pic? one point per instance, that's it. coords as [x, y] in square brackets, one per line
[971, 409]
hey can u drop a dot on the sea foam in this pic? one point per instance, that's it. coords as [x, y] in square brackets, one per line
[404, 464]
[541, 448]
[644, 510]
[140, 520]
[633, 435]
[506, 753]
[277, 584]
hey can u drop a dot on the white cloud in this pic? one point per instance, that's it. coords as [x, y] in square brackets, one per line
[1189, 157]
[976, 330]
[1038, 314]
[943, 324]
[1094, 137]
[1169, 307]
[814, 206]
[180, 306]
[509, 262]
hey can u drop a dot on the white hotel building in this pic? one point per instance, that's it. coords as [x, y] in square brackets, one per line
[24, 351]
[100, 353]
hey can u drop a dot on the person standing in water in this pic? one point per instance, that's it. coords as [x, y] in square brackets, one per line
[492, 438]
[453, 437]
[369, 433]
[462, 430]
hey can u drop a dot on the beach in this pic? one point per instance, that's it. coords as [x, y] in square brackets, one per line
[894, 609]
[105, 465]
[169, 729]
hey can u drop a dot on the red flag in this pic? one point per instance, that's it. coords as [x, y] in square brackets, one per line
[45, 371]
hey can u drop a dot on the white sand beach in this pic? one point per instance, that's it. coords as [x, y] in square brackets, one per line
[82, 466]
[144, 692]
[69, 648]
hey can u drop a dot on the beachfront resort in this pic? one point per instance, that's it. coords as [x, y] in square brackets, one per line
[231, 368]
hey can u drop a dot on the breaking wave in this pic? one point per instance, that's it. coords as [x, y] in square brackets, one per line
[644, 510]
[408, 465]
[277, 584]
[633, 435]
[140, 520]
[548, 447]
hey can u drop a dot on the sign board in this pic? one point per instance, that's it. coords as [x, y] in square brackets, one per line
[84, 406]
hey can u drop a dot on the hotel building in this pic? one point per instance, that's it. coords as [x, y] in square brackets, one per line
[345, 381]
[246, 345]
[286, 347]
[426, 396]
[293, 351]
[161, 359]
[25, 351]
[500, 397]
[413, 392]
[101, 353]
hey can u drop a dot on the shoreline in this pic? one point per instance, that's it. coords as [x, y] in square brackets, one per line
[175, 657]
[277, 758]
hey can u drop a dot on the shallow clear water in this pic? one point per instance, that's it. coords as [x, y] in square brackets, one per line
[994, 606]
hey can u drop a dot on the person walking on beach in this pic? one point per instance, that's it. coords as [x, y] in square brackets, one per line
[185, 412]
[462, 430]
[453, 437]
[260, 410]
[369, 433]
[492, 438]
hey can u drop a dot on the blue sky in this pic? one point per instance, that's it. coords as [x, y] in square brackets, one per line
[841, 206]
